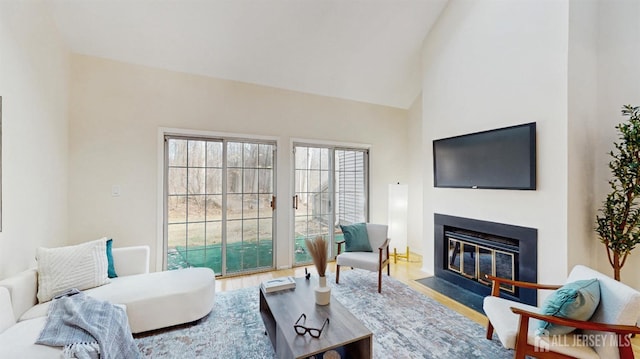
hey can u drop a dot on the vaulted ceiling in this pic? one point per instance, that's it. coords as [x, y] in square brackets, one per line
[363, 50]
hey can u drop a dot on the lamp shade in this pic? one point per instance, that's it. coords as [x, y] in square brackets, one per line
[398, 204]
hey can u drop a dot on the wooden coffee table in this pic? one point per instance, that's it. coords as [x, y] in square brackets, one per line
[281, 309]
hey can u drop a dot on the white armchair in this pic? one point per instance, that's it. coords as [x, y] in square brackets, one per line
[373, 261]
[605, 335]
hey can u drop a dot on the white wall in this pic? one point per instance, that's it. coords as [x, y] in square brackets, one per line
[618, 85]
[117, 108]
[34, 68]
[582, 118]
[490, 64]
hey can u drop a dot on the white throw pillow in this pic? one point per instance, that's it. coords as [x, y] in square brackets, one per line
[81, 266]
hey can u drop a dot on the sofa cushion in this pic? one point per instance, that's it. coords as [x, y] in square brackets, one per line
[81, 266]
[362, 260]
[131, 260]
[7, 318]
[575, 300]
[504, 320]
[23, 288]
[356, 238]
[18, 341]
[37, 311]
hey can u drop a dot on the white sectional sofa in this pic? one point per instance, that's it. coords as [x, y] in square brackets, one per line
[152, 300]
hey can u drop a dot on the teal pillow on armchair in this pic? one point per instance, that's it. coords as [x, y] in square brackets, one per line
[576, 300]
[356, 238]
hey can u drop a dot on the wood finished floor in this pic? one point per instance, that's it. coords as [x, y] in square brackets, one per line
[405, 272]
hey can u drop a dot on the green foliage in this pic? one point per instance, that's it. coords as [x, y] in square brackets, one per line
[618, 225]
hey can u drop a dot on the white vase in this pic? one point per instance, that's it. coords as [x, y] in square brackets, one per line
[323, 292]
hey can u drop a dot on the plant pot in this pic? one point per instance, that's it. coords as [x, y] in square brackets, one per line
[323, 292]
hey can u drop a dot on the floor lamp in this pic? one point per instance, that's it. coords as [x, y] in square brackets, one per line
[398, 203]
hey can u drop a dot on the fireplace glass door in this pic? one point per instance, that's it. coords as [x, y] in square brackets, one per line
[475, 260]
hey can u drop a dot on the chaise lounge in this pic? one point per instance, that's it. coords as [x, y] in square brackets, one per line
[152, 301]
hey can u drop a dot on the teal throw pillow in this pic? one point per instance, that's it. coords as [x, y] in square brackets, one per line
[111, 269]
[576, 300]
[356, 238]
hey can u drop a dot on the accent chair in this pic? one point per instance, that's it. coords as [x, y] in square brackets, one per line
[548, 331]
[373, 259]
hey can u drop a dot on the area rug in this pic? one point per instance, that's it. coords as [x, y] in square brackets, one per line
[404, 322]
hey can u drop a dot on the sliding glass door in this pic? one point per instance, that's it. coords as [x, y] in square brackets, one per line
[331, 188]
[313, 198]
[218, 204]
[249, 206]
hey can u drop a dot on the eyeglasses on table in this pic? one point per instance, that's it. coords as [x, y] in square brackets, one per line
[302, 330]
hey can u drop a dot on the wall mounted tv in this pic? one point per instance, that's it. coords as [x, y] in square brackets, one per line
[504, 158]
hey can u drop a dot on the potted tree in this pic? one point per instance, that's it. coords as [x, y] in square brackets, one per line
[619, 223]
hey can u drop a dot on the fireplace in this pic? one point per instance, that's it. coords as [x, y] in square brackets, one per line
[467, 249]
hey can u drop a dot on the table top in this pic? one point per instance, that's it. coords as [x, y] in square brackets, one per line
[287, 305]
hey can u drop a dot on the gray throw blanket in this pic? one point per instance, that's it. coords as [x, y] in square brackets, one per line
[76, 320]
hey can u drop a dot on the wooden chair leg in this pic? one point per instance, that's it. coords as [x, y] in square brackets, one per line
[490, 331]
[624, 346]
[389, 262]
[381, 267]
[521, 339]
[337, 274]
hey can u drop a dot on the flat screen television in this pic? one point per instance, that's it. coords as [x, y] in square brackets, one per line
[504, 158]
